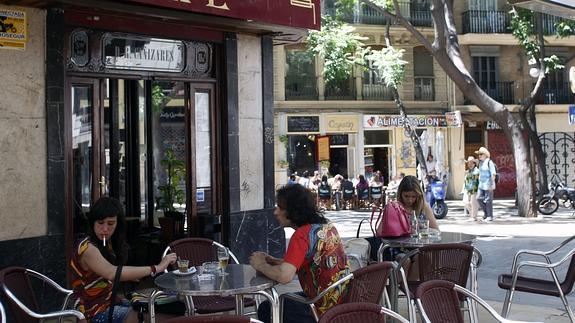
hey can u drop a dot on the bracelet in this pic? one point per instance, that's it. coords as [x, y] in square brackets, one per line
[152, 270]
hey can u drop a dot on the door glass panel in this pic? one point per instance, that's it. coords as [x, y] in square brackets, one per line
[168, 116]
[203, 152]
[142, 128]
[82, 105]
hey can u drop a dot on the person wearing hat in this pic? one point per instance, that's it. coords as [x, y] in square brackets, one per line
[486, 183]
[470, 187]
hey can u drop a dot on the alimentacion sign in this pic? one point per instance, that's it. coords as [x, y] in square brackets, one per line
[13, 33]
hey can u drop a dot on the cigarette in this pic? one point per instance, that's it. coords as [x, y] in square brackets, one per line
[104, 241]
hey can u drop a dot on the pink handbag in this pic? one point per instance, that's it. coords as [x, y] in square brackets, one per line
[394, 222]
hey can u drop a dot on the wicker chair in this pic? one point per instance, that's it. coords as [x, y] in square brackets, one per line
[198, 251]
[366, 284]
[21, 296]
[450, 261]
[439, 301]
[551, 287]
[213, 319]
[360, 312]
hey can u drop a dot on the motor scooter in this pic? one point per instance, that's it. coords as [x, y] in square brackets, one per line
[559, 194]
[436, 197]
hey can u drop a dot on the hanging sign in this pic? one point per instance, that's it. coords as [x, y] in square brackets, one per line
[322, 144]
[453, 119]
[13, 24]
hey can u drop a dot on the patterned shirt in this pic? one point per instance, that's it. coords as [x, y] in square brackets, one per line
[317, 252]
[472, 180]
[92, 291]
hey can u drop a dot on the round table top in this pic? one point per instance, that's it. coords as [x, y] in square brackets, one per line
[240, 279]
[444, 237]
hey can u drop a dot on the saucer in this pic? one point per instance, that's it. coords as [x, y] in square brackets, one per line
[191, 270]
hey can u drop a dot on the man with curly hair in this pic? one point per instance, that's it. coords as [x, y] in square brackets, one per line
[315, 252]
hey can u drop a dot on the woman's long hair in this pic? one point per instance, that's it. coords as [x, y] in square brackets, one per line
[107, 207]
[411, 184]
[300, 205]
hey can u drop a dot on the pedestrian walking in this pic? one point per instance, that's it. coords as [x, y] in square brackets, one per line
[470, 187]
[486, 183]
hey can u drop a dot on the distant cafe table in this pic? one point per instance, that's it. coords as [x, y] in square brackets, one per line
[416, 242]
[240, 280]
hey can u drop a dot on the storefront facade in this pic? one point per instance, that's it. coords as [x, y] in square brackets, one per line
[106, 96]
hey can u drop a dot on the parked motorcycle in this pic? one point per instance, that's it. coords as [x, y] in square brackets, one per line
[559, 194]
[436, 198]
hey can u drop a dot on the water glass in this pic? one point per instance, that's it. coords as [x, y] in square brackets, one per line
[423, 228]
[223, 259]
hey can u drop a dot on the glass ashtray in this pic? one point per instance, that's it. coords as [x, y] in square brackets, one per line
[210, 266]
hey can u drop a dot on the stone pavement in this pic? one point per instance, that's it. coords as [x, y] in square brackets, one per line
[498, 242]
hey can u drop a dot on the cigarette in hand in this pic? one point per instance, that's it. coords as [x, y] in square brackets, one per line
[104, 241]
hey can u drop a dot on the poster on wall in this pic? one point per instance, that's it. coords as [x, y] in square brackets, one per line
[13, 33]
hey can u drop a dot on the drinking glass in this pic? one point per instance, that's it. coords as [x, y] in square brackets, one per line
[223, 258]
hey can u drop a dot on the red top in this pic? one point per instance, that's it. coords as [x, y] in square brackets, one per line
[317, 252]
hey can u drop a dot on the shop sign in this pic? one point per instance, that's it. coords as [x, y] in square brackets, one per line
[13, 33]
[341, 123]
[453, 119]
[172, 115]
[143, 54]
[303, 124]
[293, 13]
[492, 125]
[385, 121]
[322, 147]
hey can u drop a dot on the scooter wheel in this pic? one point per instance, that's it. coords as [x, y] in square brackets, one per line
[548, 205]
[440, 209]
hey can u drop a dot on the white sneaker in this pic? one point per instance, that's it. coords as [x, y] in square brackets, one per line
[488, 220]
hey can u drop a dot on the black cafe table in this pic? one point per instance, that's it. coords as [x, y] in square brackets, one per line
[416, 242]
[239, 280]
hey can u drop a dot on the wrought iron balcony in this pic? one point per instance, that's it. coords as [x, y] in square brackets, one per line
[300, 87]
[376, 92]
[556, 95]
[501, 92]
[419, 15]
[485, 22]
[340, 90]
[424, 89]
[548, 23]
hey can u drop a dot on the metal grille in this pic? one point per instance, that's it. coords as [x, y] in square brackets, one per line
[559, 150]
[174, 136]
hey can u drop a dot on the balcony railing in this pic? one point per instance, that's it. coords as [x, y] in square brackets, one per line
[300, 87]
[548, 23]
[485, 22]
[419, 15]
[557, 95]
[376, 92]
[501, 92]
[340, 90]
[424, 89]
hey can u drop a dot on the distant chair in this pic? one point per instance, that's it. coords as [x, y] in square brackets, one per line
[440, 301]
[366, 284]
[348, 194]
[551, 287]
[198, 251]
[360, 312]
[363, 199]
[22, 301]
[324, 197]
[213, 319]
[376, 195]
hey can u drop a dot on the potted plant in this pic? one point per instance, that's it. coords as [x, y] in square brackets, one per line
[170, 193]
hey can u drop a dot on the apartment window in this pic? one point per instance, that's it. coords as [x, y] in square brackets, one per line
[424, 85]
[300, 80]
[482, 5]
[486, 71]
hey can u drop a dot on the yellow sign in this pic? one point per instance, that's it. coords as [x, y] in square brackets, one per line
[322, 148]
[13, 26]
[341, 123]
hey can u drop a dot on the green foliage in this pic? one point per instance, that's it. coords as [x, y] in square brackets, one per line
[158, 98]
[170, 192]
[389, 64]
[340, 48]
[565, 28]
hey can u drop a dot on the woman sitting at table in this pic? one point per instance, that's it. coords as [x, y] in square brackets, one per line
[95, 260]
[315, 252]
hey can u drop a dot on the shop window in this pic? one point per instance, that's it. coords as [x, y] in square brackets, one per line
[301, 154]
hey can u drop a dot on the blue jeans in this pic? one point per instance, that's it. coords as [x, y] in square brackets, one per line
[294, 312]
[485, 200]
[119, 316]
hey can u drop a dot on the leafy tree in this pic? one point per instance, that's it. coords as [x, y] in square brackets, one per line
[446, 51]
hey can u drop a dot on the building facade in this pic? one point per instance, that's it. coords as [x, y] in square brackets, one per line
[99, 100]
[362, 121]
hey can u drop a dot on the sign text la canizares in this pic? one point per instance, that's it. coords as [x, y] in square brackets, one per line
[293, 13]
